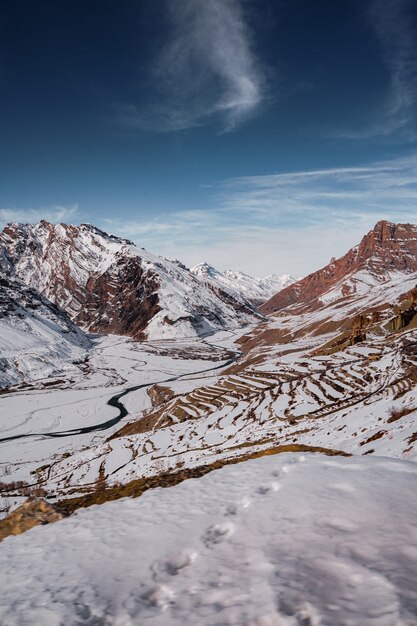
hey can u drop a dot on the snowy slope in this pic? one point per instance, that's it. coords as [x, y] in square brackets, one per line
[107, 284]
[255, 290]
[280, 541]
[37, 340]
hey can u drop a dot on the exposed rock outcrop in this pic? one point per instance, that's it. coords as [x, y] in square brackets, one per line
[405, 314]
[33, 512]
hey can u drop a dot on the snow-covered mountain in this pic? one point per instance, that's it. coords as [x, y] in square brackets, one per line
[37, 340]
[255, 290]
[107, 284]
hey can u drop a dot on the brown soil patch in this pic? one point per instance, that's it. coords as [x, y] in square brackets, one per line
[374, 437]
[137, 487]
[396, 414]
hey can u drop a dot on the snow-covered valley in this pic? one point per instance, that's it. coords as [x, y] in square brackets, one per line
[304, 421]
[42, 425]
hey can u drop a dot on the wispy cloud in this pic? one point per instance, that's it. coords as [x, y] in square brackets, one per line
[394, 25]
[392, 20]
[207, 68]
[386, 187]
[286, 223]
[53, 214]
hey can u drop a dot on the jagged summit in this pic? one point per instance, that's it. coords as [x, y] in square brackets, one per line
[107, 284]
[388, 250]
[205, 270]
[388, 246]
[57, 230]
[256, 290]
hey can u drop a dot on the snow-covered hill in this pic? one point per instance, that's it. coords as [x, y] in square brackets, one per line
[284, 540]
[107, 284]
[37, 340]
[255, 290]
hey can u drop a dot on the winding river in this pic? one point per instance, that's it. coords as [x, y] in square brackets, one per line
[115, 401]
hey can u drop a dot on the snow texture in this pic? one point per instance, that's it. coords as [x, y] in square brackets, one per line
[286, 540]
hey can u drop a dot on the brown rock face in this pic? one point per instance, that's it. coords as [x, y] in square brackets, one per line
[31, 513]
[69, 265]
[387, 248]
[120, 301]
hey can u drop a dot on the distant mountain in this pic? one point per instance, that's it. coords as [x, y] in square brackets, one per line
[106, 284]
[37, 340]
[385, 260]
[254, 290]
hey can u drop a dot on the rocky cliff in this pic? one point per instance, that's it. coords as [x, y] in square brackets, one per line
[387, 249]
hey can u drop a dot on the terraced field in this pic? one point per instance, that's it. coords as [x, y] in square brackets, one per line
[336, 402]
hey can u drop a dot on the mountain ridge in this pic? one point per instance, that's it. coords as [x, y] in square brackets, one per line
[385, 250]
[252, 289]
[37, 339]
[107, 284]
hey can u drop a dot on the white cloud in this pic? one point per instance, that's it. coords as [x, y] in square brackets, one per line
[284, 223]
[53, 214]
[207, 68]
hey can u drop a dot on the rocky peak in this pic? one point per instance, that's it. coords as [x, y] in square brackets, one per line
[241, 285]
[386, 249]
[389, 246]
[205, 270]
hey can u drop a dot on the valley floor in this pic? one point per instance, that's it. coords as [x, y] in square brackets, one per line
[47, 421]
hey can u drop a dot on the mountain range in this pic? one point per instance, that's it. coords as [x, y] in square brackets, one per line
[87, 280]
[108, 285]
[254, 290]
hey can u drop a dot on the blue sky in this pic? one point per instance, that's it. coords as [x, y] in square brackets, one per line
[261, 135]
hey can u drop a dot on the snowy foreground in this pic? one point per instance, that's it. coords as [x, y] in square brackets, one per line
[279, 541]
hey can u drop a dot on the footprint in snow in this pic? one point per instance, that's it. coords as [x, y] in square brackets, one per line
[285, 469]
[179, 561]
[236, 507]
[173, 564]
[269, 488]
[217, 533]
[158, 596]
